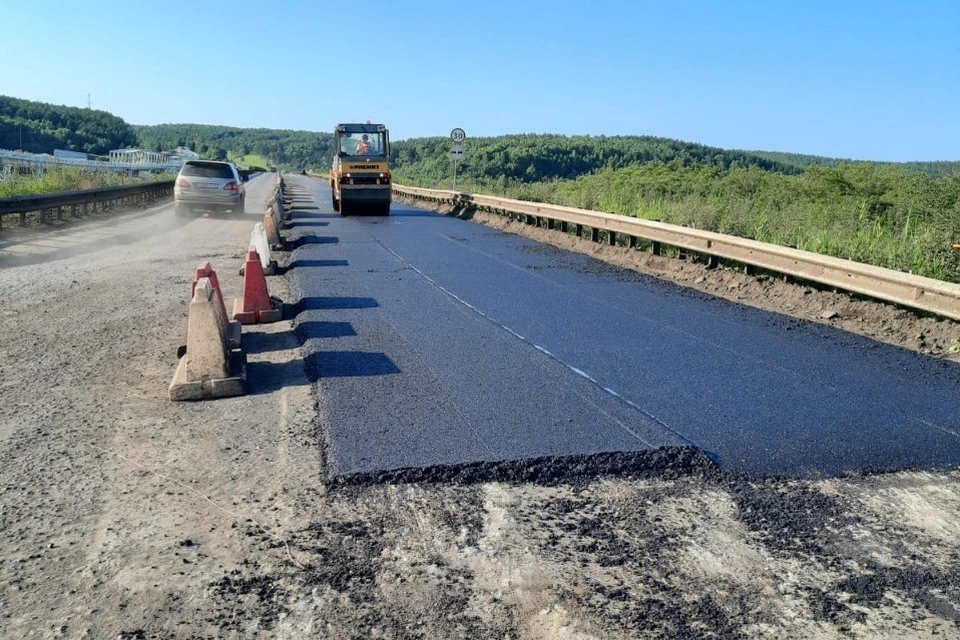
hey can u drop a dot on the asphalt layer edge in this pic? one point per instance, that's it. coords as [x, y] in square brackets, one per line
[664, 462]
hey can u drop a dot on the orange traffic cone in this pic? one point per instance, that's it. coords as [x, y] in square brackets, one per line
[255, 305]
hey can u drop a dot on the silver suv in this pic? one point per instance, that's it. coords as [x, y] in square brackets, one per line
[205, 184]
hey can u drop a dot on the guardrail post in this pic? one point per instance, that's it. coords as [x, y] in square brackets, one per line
[749, 269]
[23, 219]
[595, 234]
[579, 230]
[564, 226]
[633, 242]
[713, 262]
[655, 250]
[612, 238]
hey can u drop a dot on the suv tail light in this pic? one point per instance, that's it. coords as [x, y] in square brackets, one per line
[231, 186]
[182, 183]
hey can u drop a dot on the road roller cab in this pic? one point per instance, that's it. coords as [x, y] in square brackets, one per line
[360, 177]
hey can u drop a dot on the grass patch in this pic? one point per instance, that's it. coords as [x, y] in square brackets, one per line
[67, 179]
[252, 160]
[882, 215]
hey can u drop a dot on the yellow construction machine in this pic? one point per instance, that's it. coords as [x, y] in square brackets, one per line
[360, 177]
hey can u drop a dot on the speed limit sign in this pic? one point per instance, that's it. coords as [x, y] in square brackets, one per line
[458, 135]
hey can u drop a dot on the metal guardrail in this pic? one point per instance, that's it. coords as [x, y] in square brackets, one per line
[908, 290]
[80, 202]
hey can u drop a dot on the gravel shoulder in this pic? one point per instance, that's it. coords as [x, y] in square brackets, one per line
[125, 515]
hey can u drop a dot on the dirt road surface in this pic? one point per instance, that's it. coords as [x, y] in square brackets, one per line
[125, 515]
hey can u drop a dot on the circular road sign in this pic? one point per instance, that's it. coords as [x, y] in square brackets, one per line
[458, 135]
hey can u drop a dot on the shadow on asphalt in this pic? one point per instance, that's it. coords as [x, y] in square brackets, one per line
[319, 303]
[293, 224]
[305, 240]
[348, 364]
[321, 329]
[266, 342]
[296, 264]
[267, 377]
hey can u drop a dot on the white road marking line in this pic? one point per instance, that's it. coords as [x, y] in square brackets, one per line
[547, 353]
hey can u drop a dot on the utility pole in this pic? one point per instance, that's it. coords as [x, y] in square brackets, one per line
[88, 101]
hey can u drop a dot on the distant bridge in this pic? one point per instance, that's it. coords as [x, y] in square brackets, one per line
[13, 160]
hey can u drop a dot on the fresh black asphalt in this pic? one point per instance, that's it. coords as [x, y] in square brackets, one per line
[437, 341]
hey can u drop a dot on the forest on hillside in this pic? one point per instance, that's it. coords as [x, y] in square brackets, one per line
[539, 157]
[39, 127]
[285, 148]
[802, 161]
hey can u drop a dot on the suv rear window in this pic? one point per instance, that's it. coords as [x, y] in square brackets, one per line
[207, 170]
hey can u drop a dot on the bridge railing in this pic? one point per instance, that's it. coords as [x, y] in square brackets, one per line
[25, 159]
[908, 290]
[77, 203]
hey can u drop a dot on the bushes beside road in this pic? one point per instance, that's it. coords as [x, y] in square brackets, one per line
[885, 215]
[67, 179]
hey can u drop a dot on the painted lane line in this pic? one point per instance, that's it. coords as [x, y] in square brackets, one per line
[547, 353]
[633, 312]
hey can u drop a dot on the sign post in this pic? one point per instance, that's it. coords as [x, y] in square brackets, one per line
[456, 151]
[456, 155]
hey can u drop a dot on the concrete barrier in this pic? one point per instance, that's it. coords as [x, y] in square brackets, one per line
[281, 209]
[272, 229]
[258, 241]
[209, 368]
[205, 270]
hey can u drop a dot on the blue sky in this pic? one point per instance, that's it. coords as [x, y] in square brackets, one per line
[860, 79]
